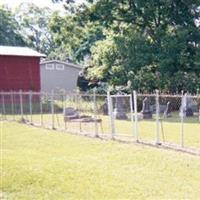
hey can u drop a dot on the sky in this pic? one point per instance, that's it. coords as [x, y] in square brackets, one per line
[41, 3]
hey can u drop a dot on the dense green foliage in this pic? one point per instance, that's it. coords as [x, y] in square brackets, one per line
[33, 23]
[9, 29]
[148, 44]
[27, 26]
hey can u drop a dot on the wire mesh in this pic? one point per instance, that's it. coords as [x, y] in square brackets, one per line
[192, 122]
[6, 108]
[122, 113]
[35, 104]
[170, 118]
[102, 114]
[45, 107]
[79, 113]
[16, 99]
[146, 106]
[25, 106]
[58, 103]
[173, 119]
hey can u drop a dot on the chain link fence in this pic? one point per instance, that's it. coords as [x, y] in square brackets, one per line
[121, 113]
[154, 118]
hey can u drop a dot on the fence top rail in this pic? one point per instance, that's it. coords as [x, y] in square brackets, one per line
[146, 95]
[171, 95]
[120, 95]
[168, 95]
[91, 95]
[23, 93]
[178, 95]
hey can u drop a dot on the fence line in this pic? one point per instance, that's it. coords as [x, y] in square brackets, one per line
[157, 118]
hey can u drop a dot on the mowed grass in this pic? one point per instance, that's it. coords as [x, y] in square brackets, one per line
[147, 128]
[43, 164]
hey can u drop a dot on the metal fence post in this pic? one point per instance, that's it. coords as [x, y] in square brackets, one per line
[52, 109]
[157, 118]
[21, 104]
[30, 107]
[95, 112]
[77, 101]
[41, 111]
[1, 111]
[110, 112]
[12, 105]
[182, 117]
[199, 114]
[3, 106]
[136, 116]
[132, 117]
[198, 96]
[65, 105]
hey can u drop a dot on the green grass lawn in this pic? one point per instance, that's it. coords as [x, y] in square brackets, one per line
[147, 128]
[42, 164]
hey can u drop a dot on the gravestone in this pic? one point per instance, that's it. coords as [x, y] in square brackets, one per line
[167, 112]
[162, 108]
[119, 111]
[199, 114]
[186, 107]
[70, 113]
[104, 107]
[146, 112]
[189, 105]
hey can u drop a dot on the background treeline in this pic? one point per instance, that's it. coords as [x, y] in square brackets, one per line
[128, 44]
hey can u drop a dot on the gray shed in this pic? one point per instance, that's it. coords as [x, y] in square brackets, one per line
[58, 75]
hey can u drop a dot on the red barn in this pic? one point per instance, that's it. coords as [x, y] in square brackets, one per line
[19, 69]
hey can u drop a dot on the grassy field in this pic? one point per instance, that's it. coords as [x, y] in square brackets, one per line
[42, 164]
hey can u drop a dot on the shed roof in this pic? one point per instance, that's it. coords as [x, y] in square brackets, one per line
[61, 62]
[19, 51]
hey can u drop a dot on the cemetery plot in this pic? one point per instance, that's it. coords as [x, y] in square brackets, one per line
[122, 116]
[151, 118]
[85, 110]
[179, 121]
[170, 121]
[101, 109]
[81, 113]
[192, 122]
[146, 107]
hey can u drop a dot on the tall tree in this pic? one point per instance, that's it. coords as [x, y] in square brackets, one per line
[9, 29]
[154, 39]
[34, 26]
[74, 33]
[148, 43]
